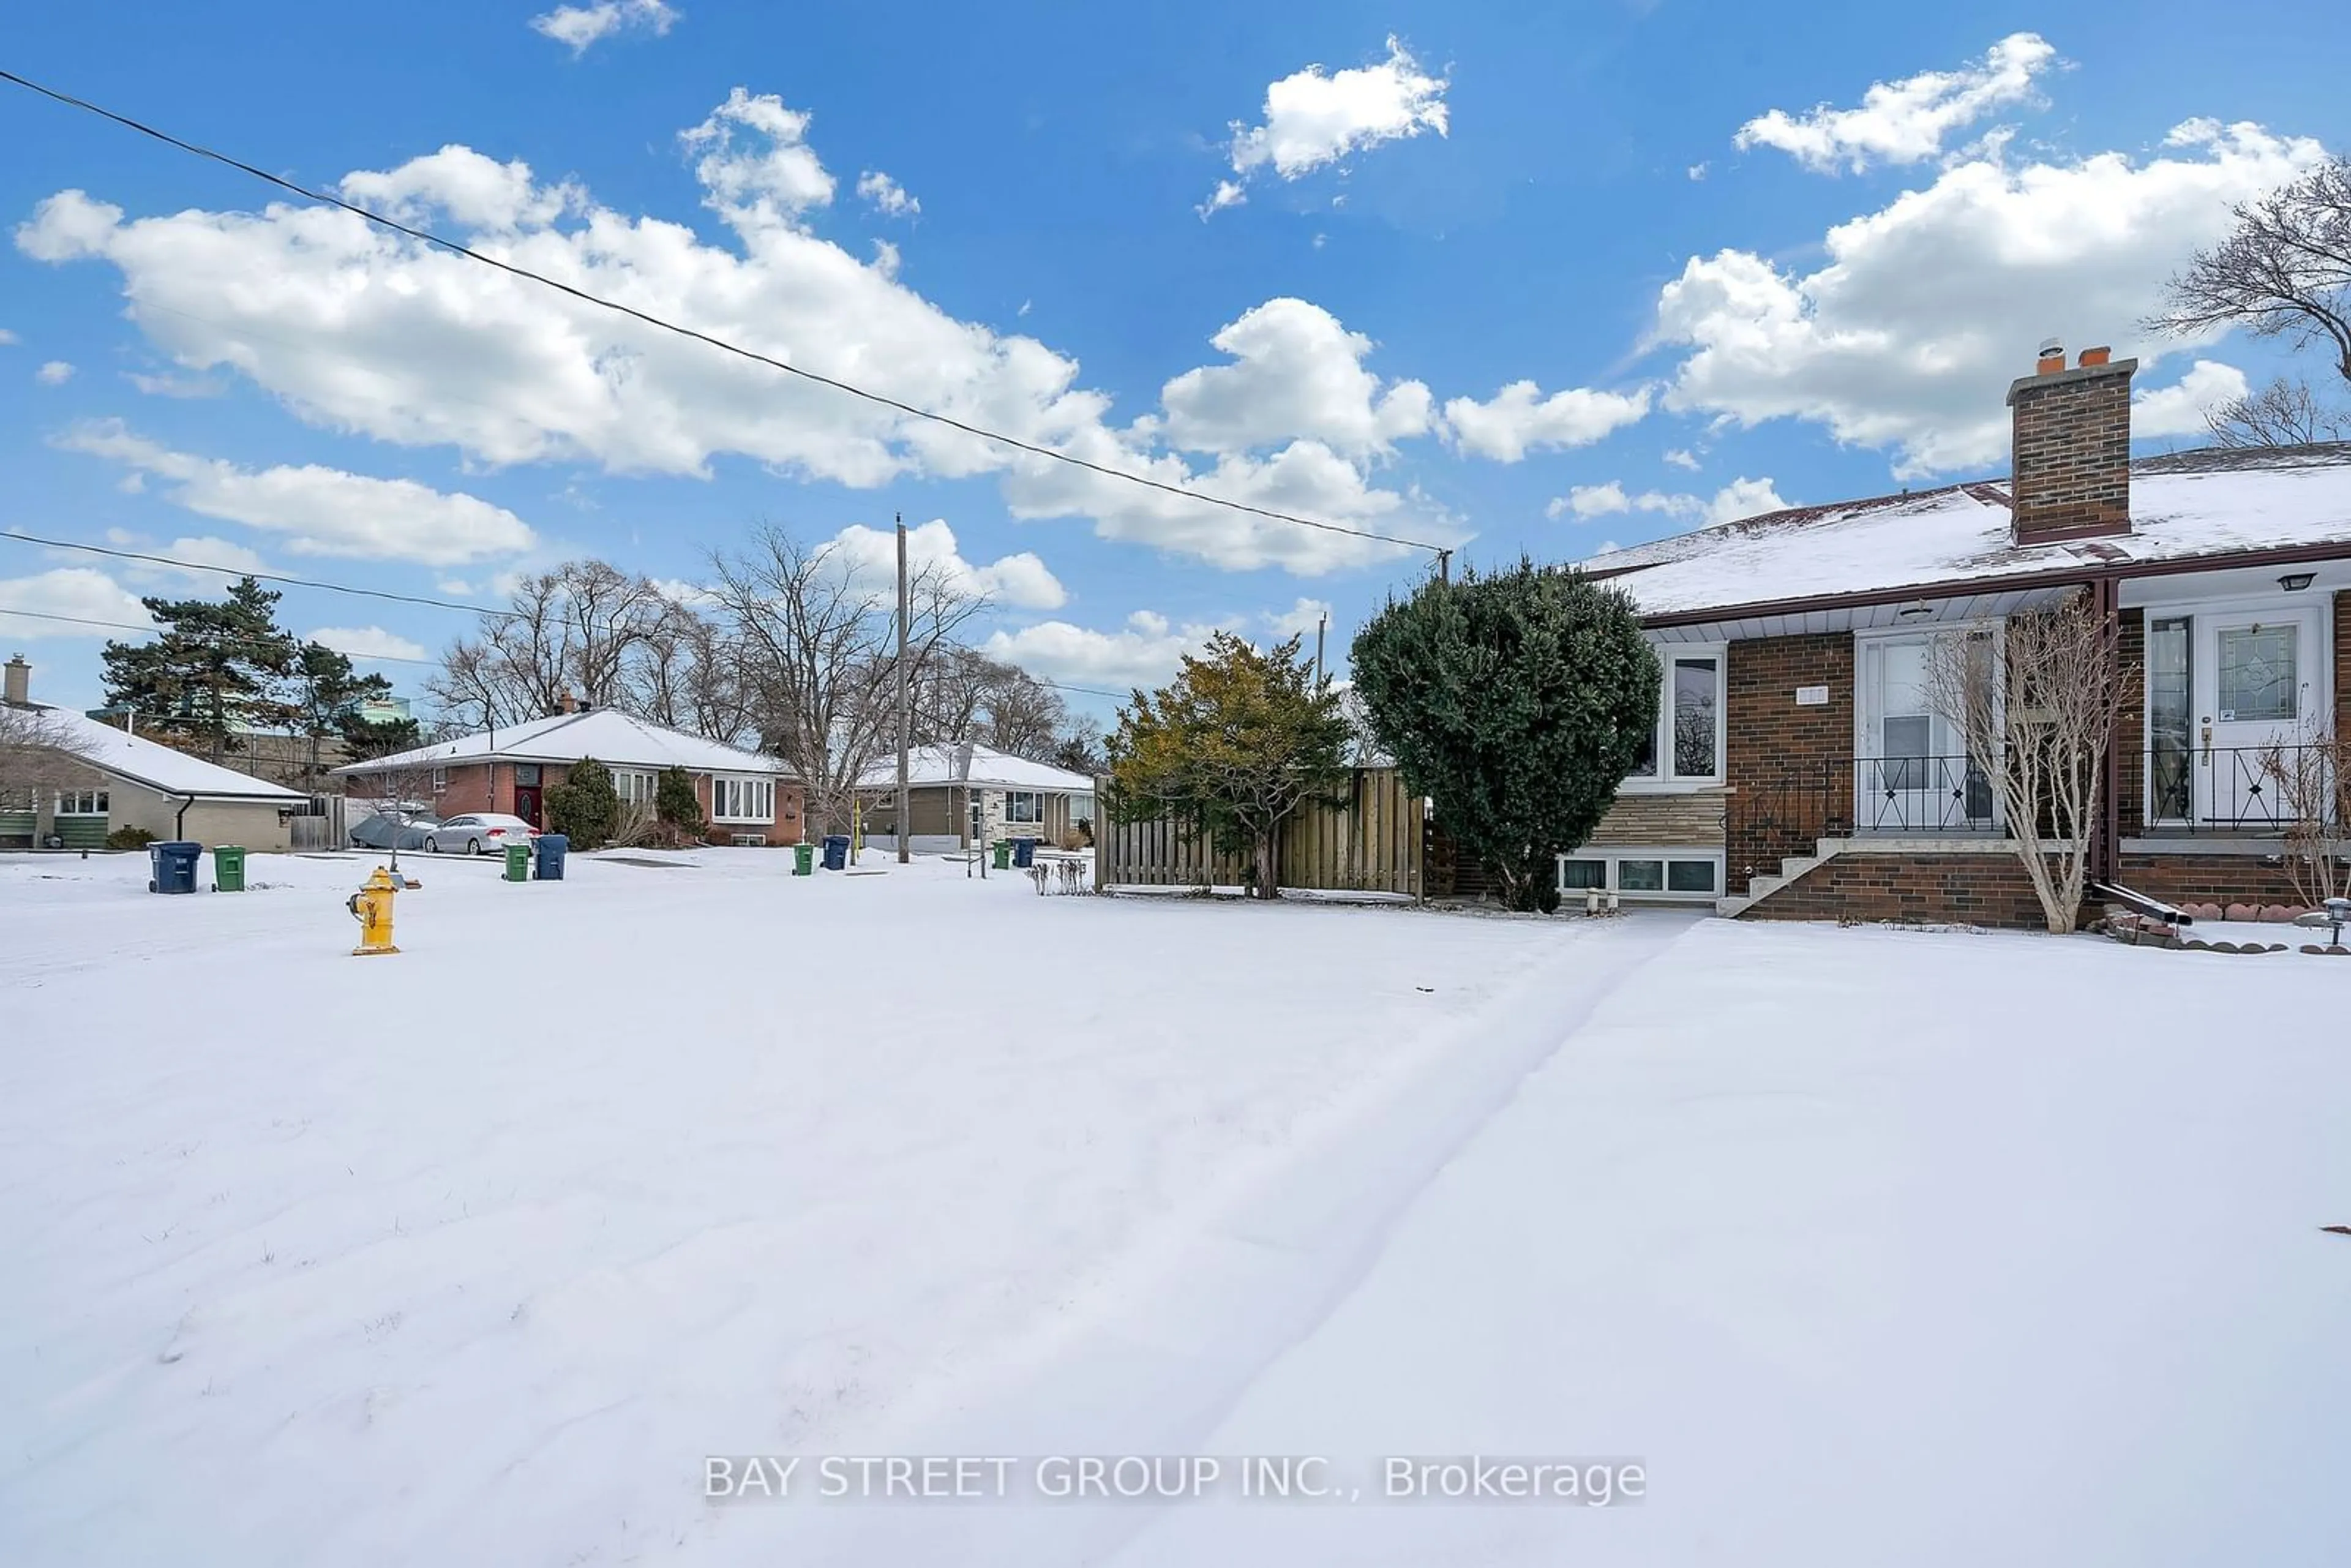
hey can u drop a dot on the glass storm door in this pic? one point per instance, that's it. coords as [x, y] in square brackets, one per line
[2260, 693]
[2171, 719]
[1911, 775]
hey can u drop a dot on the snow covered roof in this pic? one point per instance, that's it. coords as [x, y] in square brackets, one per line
[982, 765]
[608, 735]
[2190, 505]
[143, 761]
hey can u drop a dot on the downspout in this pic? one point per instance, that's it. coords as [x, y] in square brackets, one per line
[179, 818]
[2106, 863]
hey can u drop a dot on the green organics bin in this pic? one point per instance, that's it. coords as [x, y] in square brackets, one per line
[803, 860]
[1003, 855]
[518, 863]
[228, 868]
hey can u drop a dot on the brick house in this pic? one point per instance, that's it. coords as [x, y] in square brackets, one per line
[1798, 771]
[746, 798]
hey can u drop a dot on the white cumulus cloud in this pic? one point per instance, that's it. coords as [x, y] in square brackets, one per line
[321, 511]
[578, 27]
[886, 195]
[2180, 408]
[1740, 498]
[365, 642]
[1313, 118]
[1019, 581]
[1905, 122]
[1519, 419]
[1143, 653]
[1297, 372]
[1909, 332]
[56, 373]
[360, 330]
[81, 593]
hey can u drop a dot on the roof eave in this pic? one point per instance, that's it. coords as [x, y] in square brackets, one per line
[1954, 588]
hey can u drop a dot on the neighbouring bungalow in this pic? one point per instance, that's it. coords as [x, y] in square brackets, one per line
[1798, 770]
[746, 798]
[961, 795]
[137, 783]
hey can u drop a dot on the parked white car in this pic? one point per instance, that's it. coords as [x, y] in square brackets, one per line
[477, 833]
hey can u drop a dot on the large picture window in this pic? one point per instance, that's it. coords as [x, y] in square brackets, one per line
[742, 799]
[1023, 806]
[635, 788]
[1686, 745]
[82, 803]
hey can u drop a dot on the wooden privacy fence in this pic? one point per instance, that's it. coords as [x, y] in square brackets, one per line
[1373, 842]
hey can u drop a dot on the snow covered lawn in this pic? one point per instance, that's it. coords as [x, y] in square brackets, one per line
[1870, 1246]
[471, 1254]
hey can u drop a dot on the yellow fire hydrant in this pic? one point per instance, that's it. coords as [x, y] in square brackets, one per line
[372, 907]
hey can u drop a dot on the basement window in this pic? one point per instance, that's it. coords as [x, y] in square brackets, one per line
[1658, 875]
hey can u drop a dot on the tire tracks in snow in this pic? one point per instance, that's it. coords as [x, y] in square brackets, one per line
[1152, 1360]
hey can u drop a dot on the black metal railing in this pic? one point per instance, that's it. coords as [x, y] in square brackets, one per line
[1839, 797]
[2234, 789]
[2170, 789]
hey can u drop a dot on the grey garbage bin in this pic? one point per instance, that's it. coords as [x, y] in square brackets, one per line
[173, 865]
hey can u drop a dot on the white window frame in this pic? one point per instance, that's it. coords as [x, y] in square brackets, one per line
[440, 780]
[1612, 855]
[634, 786]
[1666, 781]
[733, 797]
[1038, 796]
[76, 809]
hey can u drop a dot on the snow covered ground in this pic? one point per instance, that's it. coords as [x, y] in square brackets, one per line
[1867, 1247]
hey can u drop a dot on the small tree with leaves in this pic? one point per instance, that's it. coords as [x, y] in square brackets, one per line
[585, 807]
[2037, 706]
[1517, 701]
[1233, 745]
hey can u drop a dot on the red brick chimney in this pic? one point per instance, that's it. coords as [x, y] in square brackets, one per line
[2072, 446]
[567, 702]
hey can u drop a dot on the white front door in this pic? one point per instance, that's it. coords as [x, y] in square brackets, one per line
[1912, 775]
[2257, 686]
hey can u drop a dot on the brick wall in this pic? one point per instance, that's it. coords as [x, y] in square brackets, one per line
[1985, 889]
[2130, 725]
[2206, 879]
[1667, 821]
[2342, 659]
[2072, 450]
[1769, 740]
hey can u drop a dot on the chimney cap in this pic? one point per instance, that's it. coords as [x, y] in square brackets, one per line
[2094, 357]
[2052, 346]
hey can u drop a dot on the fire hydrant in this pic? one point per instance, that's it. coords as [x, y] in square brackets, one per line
[372, 907]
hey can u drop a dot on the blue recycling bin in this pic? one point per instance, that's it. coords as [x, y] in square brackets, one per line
[836, 851]
[173, 865]
[551, 849]
[1024, 852]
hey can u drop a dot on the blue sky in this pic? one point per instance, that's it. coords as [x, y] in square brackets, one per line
[1537, 278]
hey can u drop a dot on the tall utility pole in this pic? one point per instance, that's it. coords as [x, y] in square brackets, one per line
[1320, 627]
[905, 722]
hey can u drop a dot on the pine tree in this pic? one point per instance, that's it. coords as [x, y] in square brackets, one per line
[1517, 702]
[1235, 744]
[214, 669]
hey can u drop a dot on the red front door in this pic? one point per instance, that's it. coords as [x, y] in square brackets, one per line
[527, 804]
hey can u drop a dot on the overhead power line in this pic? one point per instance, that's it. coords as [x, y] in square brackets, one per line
[424, 600]
[882, 400]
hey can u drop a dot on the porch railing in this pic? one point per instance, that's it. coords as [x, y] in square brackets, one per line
[2183, 789]
[2232, 789]
[1838, 796]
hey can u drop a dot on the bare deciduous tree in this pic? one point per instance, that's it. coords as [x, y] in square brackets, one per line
[40, 754]
[570, 632]
[963, 694]
[2283, 271]
[687, 673]
[819, 635]
[2285, 413]
[2311, 776]
[2037, 706]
